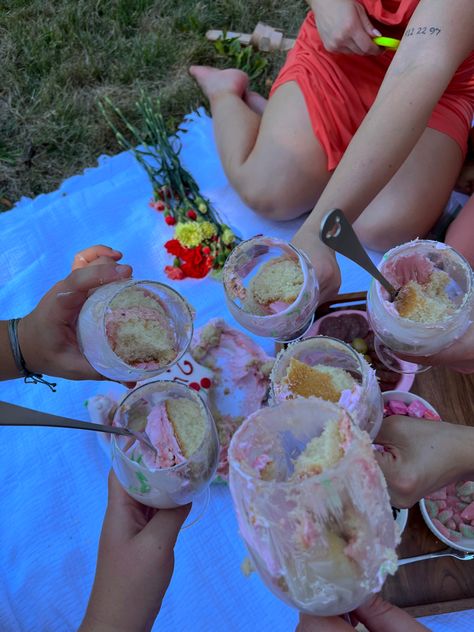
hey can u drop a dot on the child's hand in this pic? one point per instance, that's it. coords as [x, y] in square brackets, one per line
[344, 27]
[47, 335]
[423, 456]
[95, 255]
[135, 563]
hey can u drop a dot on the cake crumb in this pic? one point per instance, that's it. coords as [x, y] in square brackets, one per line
[247, 567]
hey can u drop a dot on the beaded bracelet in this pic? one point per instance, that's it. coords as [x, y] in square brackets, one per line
[28, 376]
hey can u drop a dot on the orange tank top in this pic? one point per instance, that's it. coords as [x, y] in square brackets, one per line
[391, 12]
[390, 17]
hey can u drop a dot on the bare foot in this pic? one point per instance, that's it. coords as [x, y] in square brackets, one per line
[214, 82]
[255, 101]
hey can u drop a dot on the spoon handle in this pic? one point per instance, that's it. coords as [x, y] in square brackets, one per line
[12, 415]
[337, 233]
[419, 558]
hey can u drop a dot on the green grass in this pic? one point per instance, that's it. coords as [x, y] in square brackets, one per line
[58, 58]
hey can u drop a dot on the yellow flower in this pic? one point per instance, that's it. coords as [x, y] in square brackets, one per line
[188, 234]
[208, 230]
[228, 237]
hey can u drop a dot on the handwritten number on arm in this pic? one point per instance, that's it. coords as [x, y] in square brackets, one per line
[422, 30]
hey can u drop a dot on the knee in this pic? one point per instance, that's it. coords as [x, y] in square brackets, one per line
[268, 206]
[270, 201]
[381, 236]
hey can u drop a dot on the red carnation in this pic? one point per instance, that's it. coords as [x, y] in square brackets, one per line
[191, 214]
[174, 247]
[194, 262]
[175, 273]
[170, 220]
[196, 265]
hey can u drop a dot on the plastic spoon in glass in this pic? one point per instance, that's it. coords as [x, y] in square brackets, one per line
[337, 233]
[12, 415]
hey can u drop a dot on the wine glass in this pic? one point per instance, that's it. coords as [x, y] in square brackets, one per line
[322, 542]
[417, 262]
[179, 473]
[104, 335]
[283, 320]
[363, 400]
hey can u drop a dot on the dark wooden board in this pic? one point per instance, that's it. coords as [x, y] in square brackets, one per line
[445, 584]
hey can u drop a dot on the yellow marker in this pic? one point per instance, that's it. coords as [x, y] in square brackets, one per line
[387, 42]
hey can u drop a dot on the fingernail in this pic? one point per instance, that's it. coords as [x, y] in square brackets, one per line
[376, 33]
[123, 270]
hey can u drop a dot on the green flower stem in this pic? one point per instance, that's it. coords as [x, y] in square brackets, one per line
[157, 151]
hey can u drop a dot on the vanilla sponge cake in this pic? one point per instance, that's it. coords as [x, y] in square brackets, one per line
[136, 297]
[321, 453]
[427, 302]
[139, 330]
[322, 381]
[280, 279]
[189, 426]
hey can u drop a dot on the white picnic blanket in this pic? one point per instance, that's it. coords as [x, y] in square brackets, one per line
[54, 481]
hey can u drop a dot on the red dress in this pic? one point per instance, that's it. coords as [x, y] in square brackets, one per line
[340, 89]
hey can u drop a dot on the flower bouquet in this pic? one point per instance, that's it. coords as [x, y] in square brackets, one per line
[201, 242]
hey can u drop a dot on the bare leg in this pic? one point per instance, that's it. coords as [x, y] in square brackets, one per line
[274, 161]
[415, 197]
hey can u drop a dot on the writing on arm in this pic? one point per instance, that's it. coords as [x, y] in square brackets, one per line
[422, 30]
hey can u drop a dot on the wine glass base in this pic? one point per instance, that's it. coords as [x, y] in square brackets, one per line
[198, 508]
[396, 364]
[297, 335]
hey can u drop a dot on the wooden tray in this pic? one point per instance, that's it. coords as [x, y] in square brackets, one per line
[431, 586]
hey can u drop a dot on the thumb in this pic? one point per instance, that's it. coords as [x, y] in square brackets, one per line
[379, 616]
[366, 23]
[164, 527]
[72, 292]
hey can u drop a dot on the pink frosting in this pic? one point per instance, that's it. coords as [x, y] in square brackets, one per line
[160, 431]
[238, 360]
[240, 386]
[261, 462]
[400, 270]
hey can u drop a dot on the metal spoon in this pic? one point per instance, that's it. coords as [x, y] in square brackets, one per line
[12, 415]
[459, 555]
[337, 233]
